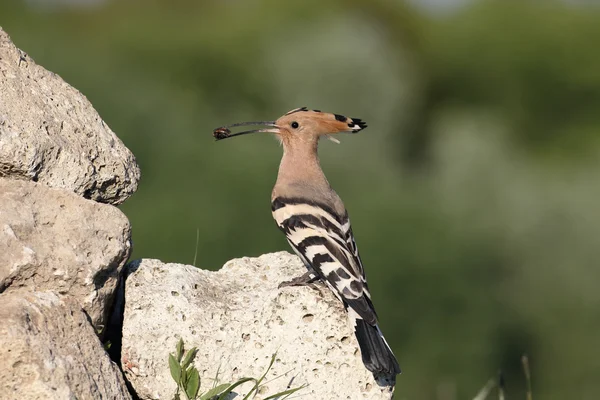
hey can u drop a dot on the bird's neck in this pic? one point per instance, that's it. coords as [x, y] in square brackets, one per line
[300, 170]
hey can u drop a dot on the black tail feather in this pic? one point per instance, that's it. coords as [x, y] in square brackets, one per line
[376, 354]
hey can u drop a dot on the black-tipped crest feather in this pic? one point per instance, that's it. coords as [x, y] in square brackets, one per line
[357, 124]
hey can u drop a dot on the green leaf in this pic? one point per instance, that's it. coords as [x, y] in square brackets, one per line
[193, 384]
[189, 357]
[179, 350]
[214, 391]
[189, 372]
[175, 368]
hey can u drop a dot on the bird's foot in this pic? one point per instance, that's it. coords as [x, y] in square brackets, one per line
[303, 280]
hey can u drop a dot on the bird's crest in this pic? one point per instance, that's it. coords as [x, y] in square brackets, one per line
[300, 123]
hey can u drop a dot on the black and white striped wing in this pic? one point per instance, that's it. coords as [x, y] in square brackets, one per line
[323, 239]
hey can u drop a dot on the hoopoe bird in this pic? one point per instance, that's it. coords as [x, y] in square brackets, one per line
[316, 224]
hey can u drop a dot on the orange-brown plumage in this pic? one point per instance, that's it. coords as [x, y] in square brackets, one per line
[313, 125]
[299, 131]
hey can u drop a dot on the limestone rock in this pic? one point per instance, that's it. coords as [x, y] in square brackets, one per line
[48, 350]
[50, 133]
[51, 239]
[237, 317]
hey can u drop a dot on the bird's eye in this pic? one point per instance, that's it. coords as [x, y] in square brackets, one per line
[295, 125]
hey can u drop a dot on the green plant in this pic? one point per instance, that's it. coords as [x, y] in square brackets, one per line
[188, 379]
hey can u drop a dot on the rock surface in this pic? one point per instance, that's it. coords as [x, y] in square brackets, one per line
[237, 317]
[51, 239]
[48, 350]
[50, 133]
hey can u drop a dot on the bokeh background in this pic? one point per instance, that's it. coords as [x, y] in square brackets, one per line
[474, 193]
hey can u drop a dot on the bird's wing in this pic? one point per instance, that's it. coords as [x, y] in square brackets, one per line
[324, 240]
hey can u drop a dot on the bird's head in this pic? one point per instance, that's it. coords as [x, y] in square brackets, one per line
[299, 125]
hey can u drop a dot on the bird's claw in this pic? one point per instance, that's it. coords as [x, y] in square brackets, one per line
[303, 280]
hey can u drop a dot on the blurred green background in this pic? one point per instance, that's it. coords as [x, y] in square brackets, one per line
[473, 193]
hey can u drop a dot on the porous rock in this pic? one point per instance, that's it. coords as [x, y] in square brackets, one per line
[48, 350]
[51, 239]
[50, 133]
[238, 318]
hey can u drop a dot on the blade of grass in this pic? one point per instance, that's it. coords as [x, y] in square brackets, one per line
[217, 377]
[501, 385]
[485, 390]
[197, 241]
[525, 362]
[217, 390]
[262, 378]
[255, 388]
[234, 385]
[285, 393]
[279, 376]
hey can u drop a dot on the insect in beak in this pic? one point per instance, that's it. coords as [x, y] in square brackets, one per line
[224, 132]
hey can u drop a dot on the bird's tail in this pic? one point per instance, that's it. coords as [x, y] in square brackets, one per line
[376, 353]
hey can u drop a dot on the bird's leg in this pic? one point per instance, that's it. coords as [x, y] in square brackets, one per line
[302, 280]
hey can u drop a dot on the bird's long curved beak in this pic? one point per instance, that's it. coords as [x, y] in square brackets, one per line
[224, 132]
